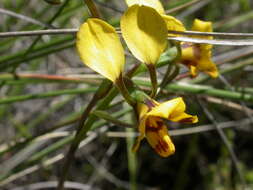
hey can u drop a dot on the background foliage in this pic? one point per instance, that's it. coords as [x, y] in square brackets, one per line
[44, 87]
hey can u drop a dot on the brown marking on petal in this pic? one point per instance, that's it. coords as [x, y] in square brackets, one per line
[150, 104]
[159, 125]
[196, 51]
[186, 45]
[158, 148]
[164, 145]
[161, 146]
[189, 63]
[153, 129]
[187, 120]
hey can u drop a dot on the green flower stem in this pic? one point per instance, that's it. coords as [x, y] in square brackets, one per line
[92, 8]
[123, 90]
[166, 58]
[153, 77]
[169, 75]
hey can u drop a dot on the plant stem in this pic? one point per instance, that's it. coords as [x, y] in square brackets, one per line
[169, 75]
[92, 8]
[123, 90]
[153, 77]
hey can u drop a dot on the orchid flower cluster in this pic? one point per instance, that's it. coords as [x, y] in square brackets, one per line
[144, 27]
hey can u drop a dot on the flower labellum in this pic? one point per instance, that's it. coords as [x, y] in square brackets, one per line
[144, 32]
[100, 49]
[152, 126]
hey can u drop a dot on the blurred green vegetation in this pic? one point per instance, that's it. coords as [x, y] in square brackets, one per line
[39, 112]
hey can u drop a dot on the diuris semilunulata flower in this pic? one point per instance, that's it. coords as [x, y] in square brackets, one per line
[152, 127]
[198, 56]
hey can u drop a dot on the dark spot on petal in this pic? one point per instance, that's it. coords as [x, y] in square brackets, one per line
[161, 146]
[186, 45]
[189, 63]
[150, 104]
[187, 120]
[196, 51]
[155, 129]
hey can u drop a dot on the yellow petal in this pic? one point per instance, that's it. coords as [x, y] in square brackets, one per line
[193, 71]
[199, 57]
[156, 4]
[142, 129]
[136, 144]
[206, 65]
[184, 118]
[188, 52]
[179, 115]
[142, 109]
[213, 71]
[142, 113]
[165, 109]
[145, 33]
[160, 141]
[173, 110]
[142, 126]
[173, 24]
[202, 26]
[100, 49]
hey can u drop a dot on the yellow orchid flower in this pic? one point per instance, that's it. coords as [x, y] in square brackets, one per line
[171, 22]
[198, 56]
[150, 3]
[144, 32]
[100, 48]
[152, 126]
